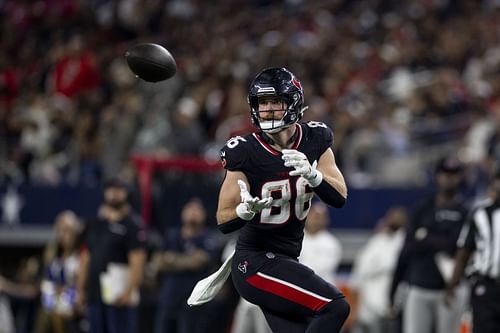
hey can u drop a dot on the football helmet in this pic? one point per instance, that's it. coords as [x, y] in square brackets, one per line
[281, 83]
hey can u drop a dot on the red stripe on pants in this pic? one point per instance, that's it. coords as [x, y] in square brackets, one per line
[287, 292]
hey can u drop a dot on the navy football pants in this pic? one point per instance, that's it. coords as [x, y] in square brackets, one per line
[292, 297]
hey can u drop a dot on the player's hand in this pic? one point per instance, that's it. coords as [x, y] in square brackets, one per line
[298, 160]
[249, 205]
[126, 299]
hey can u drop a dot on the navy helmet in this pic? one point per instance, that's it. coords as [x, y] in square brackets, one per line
[280, 83]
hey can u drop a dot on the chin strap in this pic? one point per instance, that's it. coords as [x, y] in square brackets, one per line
[270, 141]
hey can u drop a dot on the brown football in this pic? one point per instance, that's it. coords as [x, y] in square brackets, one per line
[151, 62]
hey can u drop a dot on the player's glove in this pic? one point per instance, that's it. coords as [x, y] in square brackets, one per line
[249, 205]
[297, 160]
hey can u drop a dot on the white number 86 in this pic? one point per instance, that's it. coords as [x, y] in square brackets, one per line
[301, 204]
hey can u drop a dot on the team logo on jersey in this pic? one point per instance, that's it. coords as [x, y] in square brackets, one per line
[242, 266]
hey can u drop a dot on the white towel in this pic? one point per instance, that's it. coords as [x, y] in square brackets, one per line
[205, 290]
[114, 282]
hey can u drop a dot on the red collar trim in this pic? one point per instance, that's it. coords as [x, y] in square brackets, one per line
[265, 145]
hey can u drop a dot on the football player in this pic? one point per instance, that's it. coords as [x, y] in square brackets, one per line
[271, 177]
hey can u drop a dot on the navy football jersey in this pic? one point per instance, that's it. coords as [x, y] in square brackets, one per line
[279, 228]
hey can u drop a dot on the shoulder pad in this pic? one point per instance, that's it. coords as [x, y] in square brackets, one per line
[233, 154]
[321, 133]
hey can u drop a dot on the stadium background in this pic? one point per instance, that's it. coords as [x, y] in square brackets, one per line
[401, 83]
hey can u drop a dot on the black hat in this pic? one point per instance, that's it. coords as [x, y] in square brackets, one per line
[449, 165]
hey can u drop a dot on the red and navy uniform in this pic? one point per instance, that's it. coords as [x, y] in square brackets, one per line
[265, 269]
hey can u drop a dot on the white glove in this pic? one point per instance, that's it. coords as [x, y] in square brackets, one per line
[297, 160]
[249, 206]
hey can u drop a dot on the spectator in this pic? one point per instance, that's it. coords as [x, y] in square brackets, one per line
[112, 264]
[76, 72]
[58, 288]
[186, 136]
[372, 273]
[424, 260]
[185, 259]
[23, 291]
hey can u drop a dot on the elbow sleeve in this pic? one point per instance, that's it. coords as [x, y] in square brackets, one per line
[329, 195]
[231, 225]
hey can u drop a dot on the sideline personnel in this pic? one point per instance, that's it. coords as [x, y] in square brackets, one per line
[114, 248]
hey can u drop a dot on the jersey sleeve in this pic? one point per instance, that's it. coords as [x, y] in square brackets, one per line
[327, 140]
[233, 154]
[322, 134]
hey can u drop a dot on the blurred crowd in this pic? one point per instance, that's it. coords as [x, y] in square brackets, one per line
[400, 82]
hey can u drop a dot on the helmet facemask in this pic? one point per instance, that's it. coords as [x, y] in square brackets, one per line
[276, 83]
[272, 122]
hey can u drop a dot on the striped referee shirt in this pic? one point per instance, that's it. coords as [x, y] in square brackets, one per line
[481, 235]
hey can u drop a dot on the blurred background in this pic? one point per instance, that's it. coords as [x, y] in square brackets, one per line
[401, 83]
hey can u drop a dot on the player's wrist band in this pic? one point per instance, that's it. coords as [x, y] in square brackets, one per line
[316, 180]
[231, 225]
[329, 195]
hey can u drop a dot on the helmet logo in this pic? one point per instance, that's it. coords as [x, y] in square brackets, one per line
[266, 90]
[281, 84]
[296, 84]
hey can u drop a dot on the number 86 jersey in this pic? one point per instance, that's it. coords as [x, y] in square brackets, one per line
[279, 228]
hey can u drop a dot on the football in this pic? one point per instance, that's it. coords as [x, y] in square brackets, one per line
[151, 62]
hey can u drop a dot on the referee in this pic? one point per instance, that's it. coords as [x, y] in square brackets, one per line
[480, 239]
